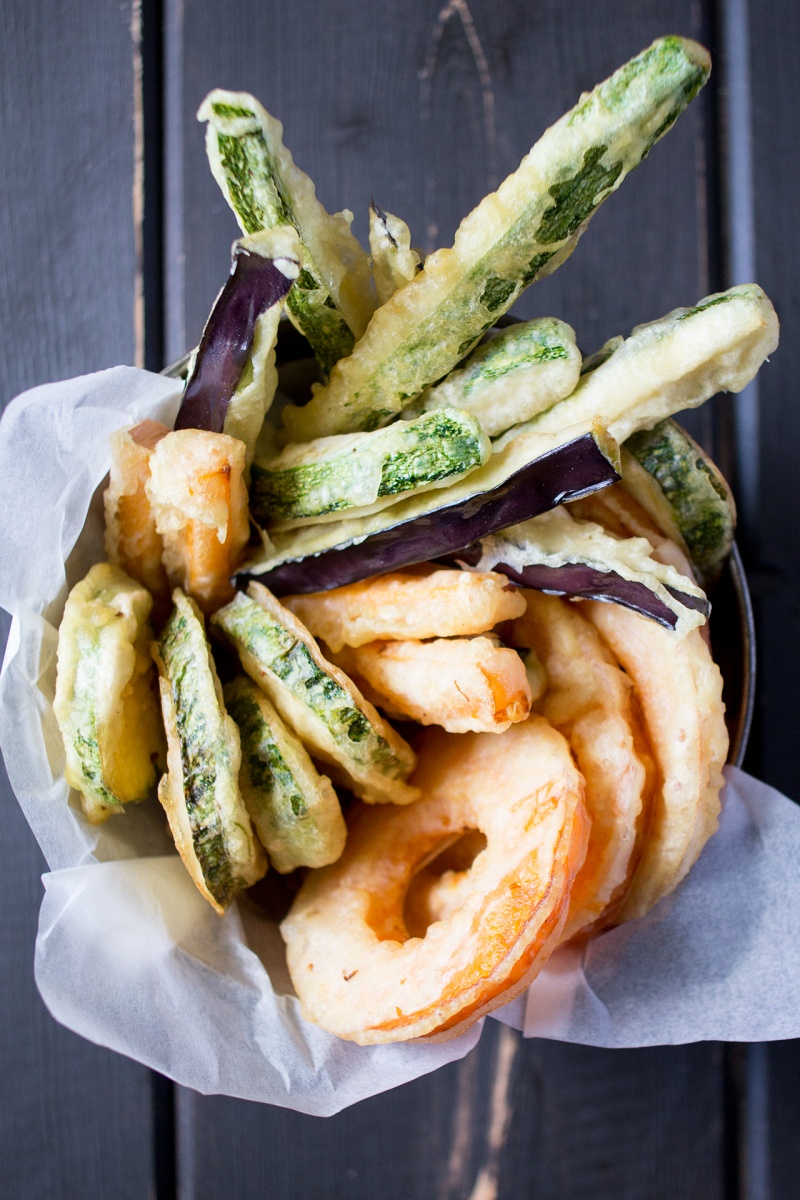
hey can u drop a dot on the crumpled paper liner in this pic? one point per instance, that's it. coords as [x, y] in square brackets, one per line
[128, 953]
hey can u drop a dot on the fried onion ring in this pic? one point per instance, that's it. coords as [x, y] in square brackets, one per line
[357, 971]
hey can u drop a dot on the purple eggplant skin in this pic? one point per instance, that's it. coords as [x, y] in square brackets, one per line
[585, 583]
[575, 469]
[254, 285]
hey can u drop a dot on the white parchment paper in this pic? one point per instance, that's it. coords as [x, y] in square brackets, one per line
[129, 954]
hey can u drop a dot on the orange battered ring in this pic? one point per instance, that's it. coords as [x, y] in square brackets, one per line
[355, 968]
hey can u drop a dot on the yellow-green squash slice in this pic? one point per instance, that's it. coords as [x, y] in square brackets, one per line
[105, 702]
[317, 700]
[519, 233]
[200, 792]
[333, 297]
[295, 810]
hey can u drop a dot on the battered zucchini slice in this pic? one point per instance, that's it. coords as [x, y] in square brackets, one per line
[518, 234]
[394, 263]
[333, 298]
[677, 362]
[294, 809]
[680, 487]
[105, 702]
[200, 792]
[519, 373]
[366, 471]
[318, 701]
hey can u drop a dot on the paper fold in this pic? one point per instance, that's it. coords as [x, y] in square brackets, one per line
[131, 957]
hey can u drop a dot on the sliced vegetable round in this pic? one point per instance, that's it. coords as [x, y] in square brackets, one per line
[530, 476]
[200, 792]
[105, 701]
[317, 480]
[295, 810]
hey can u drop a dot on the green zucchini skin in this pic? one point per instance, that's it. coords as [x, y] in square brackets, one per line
[522, 371]
[353, 472]
[333, 296]
[523, 231]
[699, 499]
[200, 792]
[294, 809]
[319, 703]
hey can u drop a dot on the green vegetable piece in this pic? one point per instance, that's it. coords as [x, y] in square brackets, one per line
[517, 374]
[200, 792]
[523, 231]
[677, 362]
[366, 471]
[294, 809]
[105, 702]
[317, 700]
[333, 298]
[679, 474]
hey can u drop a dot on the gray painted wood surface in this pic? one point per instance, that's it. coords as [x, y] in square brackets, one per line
[425, 105]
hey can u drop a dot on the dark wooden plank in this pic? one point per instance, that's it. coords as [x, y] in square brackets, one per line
[775, 549]
[427, 106]
[74, 1120]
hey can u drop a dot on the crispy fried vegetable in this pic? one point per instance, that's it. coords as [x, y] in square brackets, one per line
[679, 689]
[528, 477]
[664, 468]
[394, 263]
[357, 971]
[559, 554]
[334, 297]
[424, 604]
[519, 373]
[521, 232]
[200, 792]
[294, 809]
[132, 540]
[589, 701]
[315, 481]
[319, 702]
[233, 378]
[466, 685]
[105, 701]
[677, 362]
[199, 501]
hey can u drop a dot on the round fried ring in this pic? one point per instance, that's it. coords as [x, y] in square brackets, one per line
[357, 971]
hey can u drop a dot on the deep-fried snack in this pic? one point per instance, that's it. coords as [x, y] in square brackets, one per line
[132, 540]
[357, 971]
[420, 603]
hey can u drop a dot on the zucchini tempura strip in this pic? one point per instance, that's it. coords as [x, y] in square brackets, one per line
[200, 792]
[677, 362]
[199, 501]
[316, 699]
[365, 472]
[558, 553]
[334, 298]
[233, 378]
[519, 233]
[422, 603]
[132, 540]
[394, 263]
[589, 701]
[679, 688]
[295, 810]
[466, 685]
[517, 374]
[105, 701]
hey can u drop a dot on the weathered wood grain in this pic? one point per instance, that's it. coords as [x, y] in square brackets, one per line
[74, 1120]
[426, 106]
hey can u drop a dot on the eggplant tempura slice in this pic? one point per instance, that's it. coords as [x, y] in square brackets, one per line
[200, 792]
[317, 700]
[519, 233]
[105, 701]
